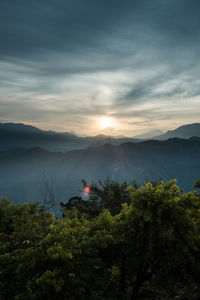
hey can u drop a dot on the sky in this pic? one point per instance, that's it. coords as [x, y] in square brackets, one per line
[66, 65]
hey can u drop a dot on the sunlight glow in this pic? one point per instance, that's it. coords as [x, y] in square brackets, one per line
[105, 122]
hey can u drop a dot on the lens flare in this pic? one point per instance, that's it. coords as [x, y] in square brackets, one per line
[86, 190]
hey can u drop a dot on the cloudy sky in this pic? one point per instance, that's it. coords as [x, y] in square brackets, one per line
[67, 64]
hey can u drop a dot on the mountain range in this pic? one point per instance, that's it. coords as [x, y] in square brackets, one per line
[14, 135]
[149, 134]
[182, 132]
[30, 174]
[35, 163]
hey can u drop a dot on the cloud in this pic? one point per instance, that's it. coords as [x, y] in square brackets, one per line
[77, 60]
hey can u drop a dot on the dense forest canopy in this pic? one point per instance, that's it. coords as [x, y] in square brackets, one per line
[148, 248]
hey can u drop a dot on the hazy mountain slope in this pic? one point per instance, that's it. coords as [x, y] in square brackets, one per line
[149, 134]
[185, 132]
[8, 128]
[26, 172]
[26, 136]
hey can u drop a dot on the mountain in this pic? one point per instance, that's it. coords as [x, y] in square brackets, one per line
[18, 127]
[29, 174]
[25, 136]
[110, 131]
[148, 134]
[184, 132]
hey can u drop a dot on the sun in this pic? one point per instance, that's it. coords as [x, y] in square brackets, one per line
[105, 122]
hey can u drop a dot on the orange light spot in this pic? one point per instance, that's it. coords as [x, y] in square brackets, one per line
[86, 189]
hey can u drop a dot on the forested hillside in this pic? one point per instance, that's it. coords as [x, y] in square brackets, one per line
[147, 249]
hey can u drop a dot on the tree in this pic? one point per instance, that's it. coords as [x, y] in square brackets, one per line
[197, 184]
[88, 209]
[102, 195]
[159, 241]
[22, 227]
[149, 250]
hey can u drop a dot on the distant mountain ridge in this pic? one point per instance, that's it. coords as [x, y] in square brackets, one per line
[32, 159]
[149, 134]
[14, 135]
[185, 132]
[24, 128]
[18, 135]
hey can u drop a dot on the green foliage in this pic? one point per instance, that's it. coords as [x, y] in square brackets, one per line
[149, 250]
[197, 184]
[89, 209]
[103, 195]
